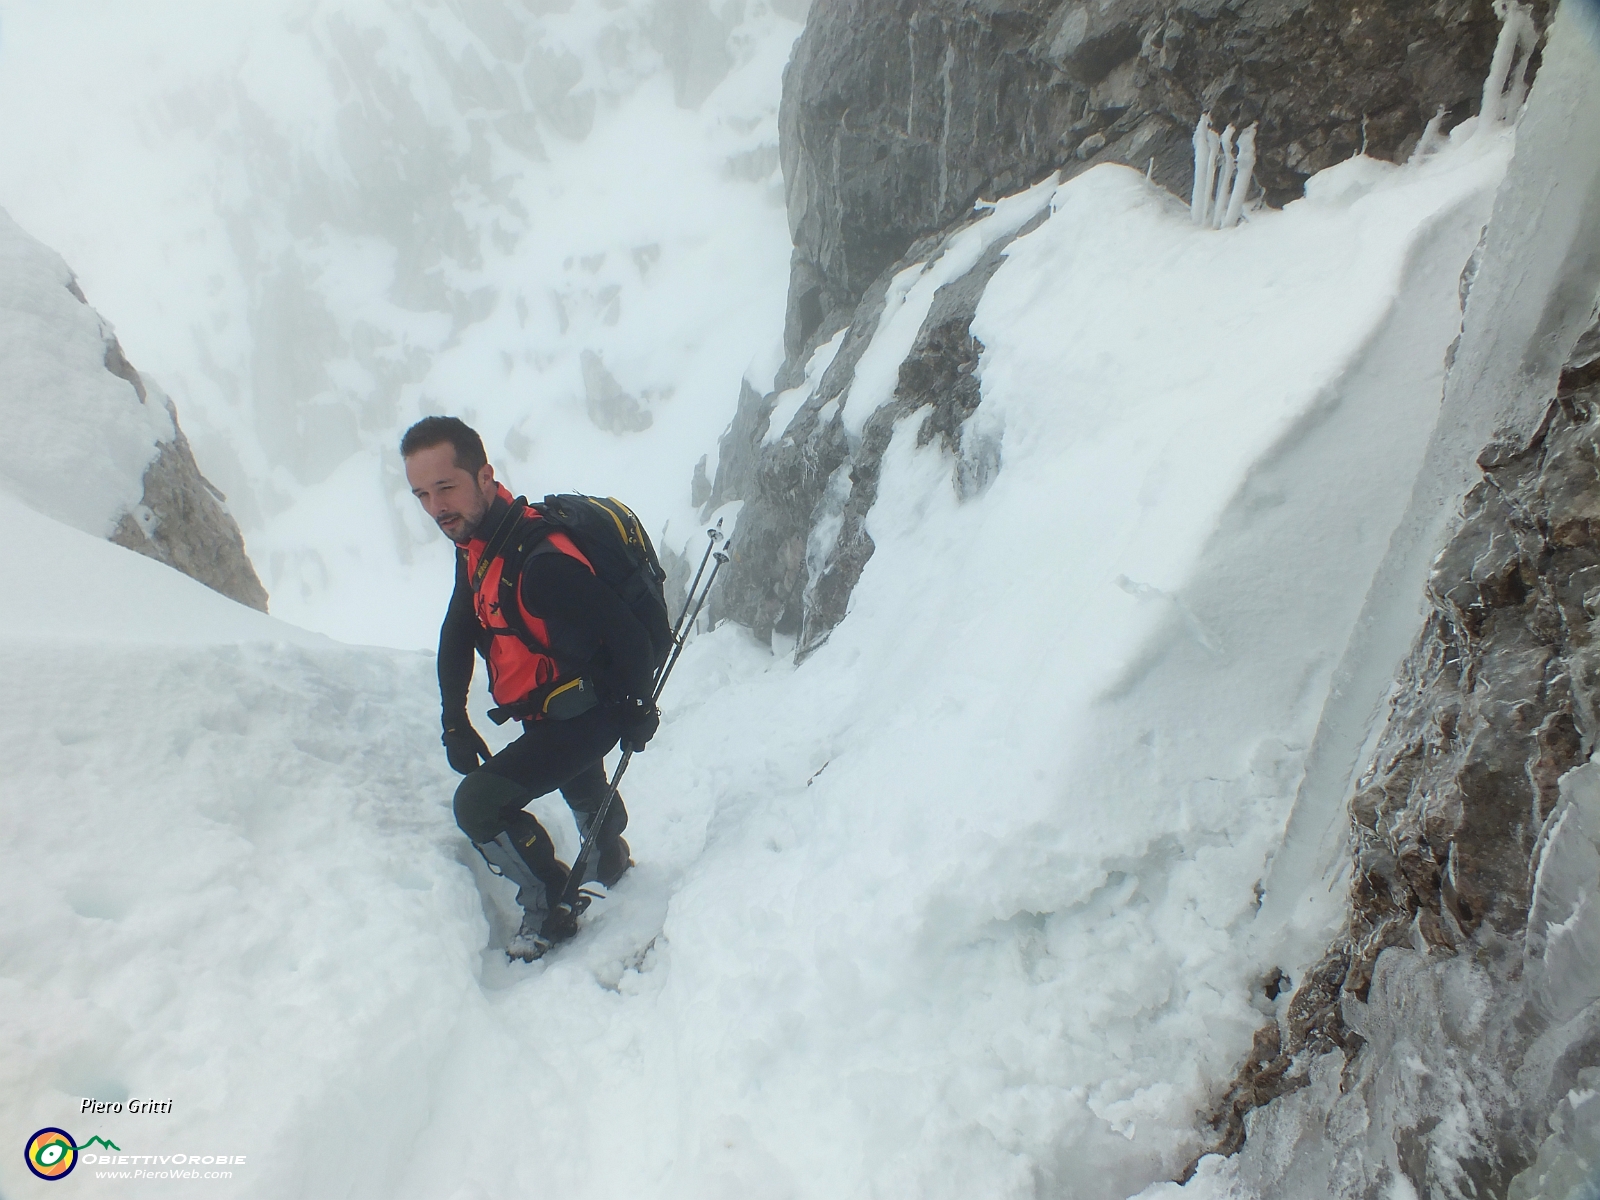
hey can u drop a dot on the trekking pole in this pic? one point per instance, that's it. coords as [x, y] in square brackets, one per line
[677, 651]
[570, 895]
[712, 535]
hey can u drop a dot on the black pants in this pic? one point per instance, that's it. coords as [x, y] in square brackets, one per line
[550, 754]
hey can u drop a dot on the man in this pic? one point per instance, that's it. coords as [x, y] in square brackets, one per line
[567, 626]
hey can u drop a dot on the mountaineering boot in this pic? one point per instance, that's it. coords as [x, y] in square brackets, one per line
[610, 860]
[615, 859]
[542, 927]
[560, 924]
[524, 854]
[528, 943]
[502, 857]
[540, 931]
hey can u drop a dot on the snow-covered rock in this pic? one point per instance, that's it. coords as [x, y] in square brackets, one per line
[986, 896]
[1201, 452]
[92, 443]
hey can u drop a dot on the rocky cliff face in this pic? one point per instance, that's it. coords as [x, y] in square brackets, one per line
[1458, 1011]
[820, 478]
[181, 519]
[897, 116]
[1447, 1043]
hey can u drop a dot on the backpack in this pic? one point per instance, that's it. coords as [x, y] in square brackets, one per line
[623, 557]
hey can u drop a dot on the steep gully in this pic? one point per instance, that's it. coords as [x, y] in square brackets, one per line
[1460, 796]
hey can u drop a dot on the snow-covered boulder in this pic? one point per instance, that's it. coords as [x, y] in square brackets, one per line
[92, 443]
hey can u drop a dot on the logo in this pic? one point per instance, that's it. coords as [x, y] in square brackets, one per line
[51, 1154]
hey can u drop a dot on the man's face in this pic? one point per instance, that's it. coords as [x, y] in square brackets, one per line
[455, 498]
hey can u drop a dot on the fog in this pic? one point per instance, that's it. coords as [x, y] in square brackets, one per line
[314, 222]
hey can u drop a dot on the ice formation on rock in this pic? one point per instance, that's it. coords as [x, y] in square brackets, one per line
[1222, 174]
[1439, 1045]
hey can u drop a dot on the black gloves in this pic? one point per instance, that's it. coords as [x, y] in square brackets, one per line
[639, 719]
[462, 745]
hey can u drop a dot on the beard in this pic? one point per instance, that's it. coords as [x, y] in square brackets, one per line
[460, 526]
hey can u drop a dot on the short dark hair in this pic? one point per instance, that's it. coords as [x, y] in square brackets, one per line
[436, 431]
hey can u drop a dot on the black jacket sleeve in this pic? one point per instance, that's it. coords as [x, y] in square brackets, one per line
[558, 587]
[458, 639]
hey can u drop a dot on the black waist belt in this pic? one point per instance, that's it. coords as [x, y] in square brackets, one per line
[560, 700]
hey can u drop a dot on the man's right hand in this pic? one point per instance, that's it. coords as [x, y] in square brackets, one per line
[639, 719]
[462, 745]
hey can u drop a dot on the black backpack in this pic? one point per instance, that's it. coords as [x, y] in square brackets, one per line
[616, 545]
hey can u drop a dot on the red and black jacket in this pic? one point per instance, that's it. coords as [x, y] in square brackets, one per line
[528, 601]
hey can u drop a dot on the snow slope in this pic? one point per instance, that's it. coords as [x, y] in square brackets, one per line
[962, 906]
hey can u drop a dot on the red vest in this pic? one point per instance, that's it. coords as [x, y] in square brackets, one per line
[516, 668]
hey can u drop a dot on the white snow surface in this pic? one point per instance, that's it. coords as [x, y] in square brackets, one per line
[961, 906]
[78, 437]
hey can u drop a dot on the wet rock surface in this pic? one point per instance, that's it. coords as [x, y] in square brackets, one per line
[1469, 953]
[783, 486]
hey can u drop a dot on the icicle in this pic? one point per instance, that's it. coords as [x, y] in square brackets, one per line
[1241, 177]
[1213, 161]
[1527, 39]
[1224, 177]
[1200, 195]
[1432, 137]
[1509, 65]
[1499, 67]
